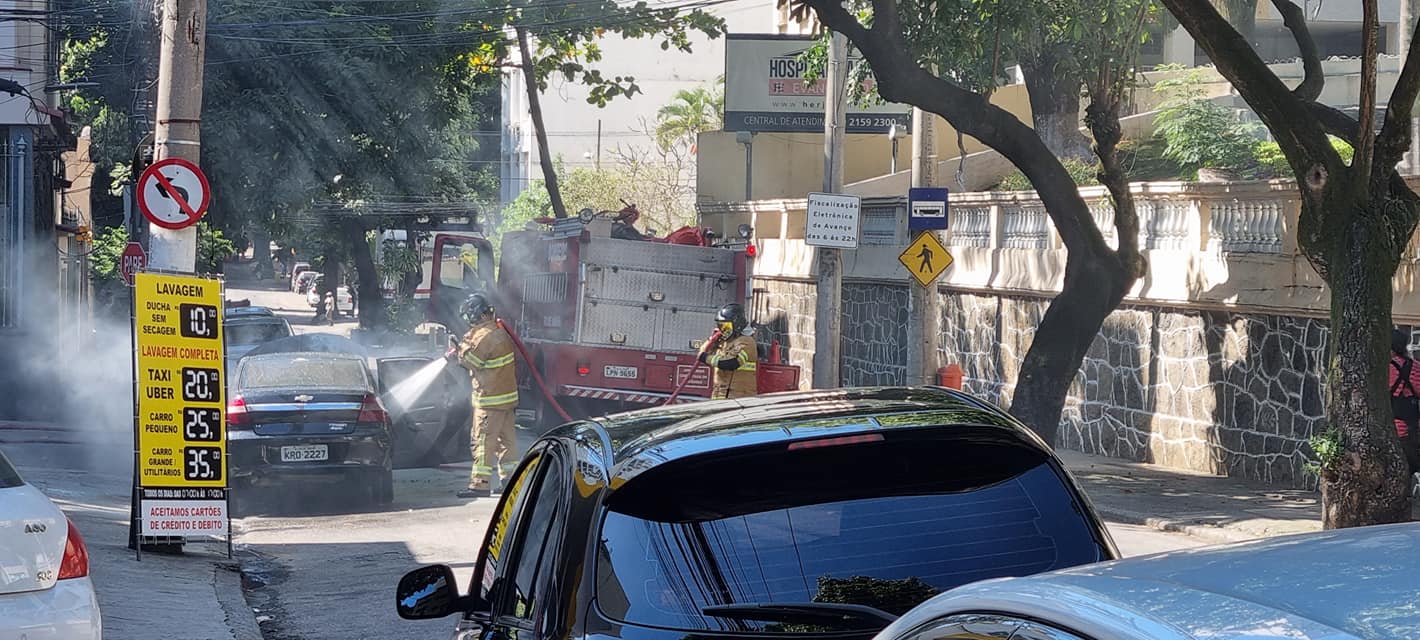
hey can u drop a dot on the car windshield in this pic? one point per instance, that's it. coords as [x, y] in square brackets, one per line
[8, 476]
[243, 334]
[921, 519]
[301, 372]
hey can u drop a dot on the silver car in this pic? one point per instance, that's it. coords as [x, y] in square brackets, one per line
[1351, 584]
[242, 333]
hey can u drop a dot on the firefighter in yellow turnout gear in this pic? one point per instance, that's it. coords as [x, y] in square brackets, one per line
[487, 352]
[732, 355]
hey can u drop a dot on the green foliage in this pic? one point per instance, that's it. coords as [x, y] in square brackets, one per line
[1272, 163]
[1084, 174]
[1200, 133]
[213, 248]
[104, 269]
[893, 596]
[690, 112]
[1328, 449]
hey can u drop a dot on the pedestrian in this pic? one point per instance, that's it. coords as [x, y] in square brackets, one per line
[1404, 399]
[487, 352]
[333, 305]
[732, 355]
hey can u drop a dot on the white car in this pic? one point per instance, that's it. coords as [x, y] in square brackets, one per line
[343, 299]
[45, 590]
[1349, 584]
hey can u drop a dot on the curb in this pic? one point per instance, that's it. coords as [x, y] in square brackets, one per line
[1206, 533]
[241, 619]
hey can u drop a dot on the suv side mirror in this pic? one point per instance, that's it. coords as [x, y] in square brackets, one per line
[429, 592]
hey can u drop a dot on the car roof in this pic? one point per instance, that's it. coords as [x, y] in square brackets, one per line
[1349, 584]
[306, 355]
[641, 440]
[249, 311]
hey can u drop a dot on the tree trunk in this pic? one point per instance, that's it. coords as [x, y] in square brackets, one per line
[549, 172]
[1370, 483]
[261, 252]
[370, 303]
[1092, 289]
[1053, 86]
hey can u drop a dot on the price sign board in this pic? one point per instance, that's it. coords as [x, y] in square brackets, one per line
[181, 427]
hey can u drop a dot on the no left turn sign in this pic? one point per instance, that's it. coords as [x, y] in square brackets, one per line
[173, 193]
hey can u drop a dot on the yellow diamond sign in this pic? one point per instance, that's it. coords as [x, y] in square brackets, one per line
[925, 258]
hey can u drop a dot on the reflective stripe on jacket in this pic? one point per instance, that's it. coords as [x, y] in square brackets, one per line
[487, 352]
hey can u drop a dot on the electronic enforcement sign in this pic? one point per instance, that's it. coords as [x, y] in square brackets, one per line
[181, 426]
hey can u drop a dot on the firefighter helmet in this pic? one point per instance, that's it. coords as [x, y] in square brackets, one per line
[731, 316]
[475, 307]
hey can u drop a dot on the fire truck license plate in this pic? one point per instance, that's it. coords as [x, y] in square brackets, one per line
[626, 373]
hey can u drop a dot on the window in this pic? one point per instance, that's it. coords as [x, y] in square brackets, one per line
[499, 542]
[8, 476]
[244, 334]
[458, 265]
[536, 543]
[922, 516]
[284, 371]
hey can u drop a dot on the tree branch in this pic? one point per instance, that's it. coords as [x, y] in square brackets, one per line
[1366, 142]
[901, 79]
[1394, 138]
[1314, 77]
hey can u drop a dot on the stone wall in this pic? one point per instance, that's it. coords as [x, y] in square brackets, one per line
[1227, 393]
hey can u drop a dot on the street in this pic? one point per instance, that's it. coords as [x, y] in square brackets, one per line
[331, 574]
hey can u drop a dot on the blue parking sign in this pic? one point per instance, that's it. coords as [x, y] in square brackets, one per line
[927, 208]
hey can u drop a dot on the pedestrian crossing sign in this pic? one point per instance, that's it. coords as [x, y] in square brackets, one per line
[926, 258]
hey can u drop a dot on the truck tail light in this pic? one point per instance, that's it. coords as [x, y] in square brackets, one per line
[583, 369]
[751, 251]
[76, 556]
[372, 411]
[237, 416]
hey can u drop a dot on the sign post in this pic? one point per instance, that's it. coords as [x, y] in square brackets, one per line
[180, 421]
[133, 261]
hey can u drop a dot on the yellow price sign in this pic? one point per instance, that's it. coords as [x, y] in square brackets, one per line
[181, 391]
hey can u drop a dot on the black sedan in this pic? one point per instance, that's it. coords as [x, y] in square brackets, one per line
[823, 513]
[309, 417]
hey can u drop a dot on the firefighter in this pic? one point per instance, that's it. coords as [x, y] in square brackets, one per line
[487, 352]
[732, 354]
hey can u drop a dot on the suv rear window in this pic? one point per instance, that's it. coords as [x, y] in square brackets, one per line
[884, 524]
[8, 476]
[332, 373]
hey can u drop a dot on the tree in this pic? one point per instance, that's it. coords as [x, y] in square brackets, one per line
[1356, 221]
[561, 38]
[690, 113]
[901, 40]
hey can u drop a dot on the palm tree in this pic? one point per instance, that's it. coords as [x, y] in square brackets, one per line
[690, 112]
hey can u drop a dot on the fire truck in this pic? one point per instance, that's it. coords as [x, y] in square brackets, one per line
[611, 318]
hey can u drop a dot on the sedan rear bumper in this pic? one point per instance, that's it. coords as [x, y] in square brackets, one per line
[255, 457]
[69, 610]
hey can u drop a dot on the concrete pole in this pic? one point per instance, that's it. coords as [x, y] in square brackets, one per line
[924, 319]
[179, 117]
[1405, 27]
[828, 308]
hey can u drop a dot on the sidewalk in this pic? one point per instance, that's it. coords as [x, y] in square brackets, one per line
[196, 596]
[1211, 508]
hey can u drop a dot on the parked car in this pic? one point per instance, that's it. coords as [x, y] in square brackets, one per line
[244, 311]
[431, 428]
[299, 266]
[243, 332]
[308, 417]
[301, 281]
[1349, 584]
[45, 591]
[788, 514]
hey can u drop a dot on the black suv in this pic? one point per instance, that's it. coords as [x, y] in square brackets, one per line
[815, 513]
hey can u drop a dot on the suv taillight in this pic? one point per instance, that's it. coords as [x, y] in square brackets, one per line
[371, 411]
[76, 555]
[237, 416]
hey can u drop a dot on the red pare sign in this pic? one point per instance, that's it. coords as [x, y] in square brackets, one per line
[133, 260]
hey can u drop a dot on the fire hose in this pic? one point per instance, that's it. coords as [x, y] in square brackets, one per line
[675, 394]
[537, 377]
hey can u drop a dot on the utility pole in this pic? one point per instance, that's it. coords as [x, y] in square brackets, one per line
[179, 117]
[828, 308]
[924, 318]
[1404, 30]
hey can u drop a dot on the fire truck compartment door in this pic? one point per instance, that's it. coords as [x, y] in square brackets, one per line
[643, 326]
